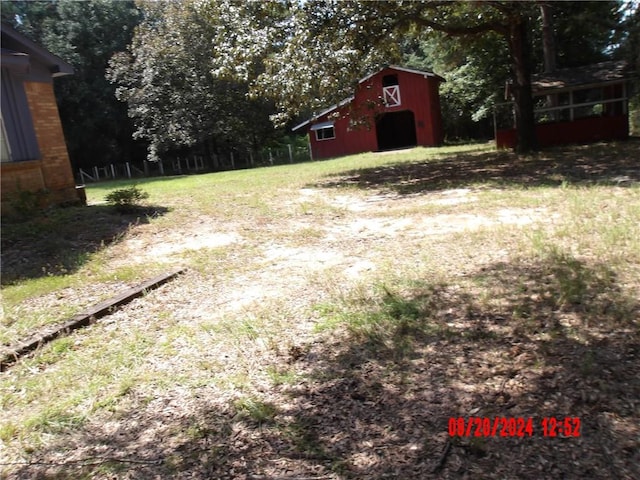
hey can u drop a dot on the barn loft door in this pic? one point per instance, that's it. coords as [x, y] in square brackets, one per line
[392, 96]
[391, 91]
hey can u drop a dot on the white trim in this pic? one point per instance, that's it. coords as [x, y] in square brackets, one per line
[403, 69]
[321, 125]
[327, 128]
[325, 112]
[391, 95]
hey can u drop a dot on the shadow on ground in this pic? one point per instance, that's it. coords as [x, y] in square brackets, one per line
[610, 163]
[60, 240]
[552, 337]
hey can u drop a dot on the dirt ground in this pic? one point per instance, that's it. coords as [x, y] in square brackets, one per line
[334, 404]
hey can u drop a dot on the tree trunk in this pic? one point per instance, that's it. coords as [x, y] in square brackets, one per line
[548, 39]
[520, 51]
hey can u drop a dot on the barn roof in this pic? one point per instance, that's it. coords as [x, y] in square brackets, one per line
[348, 100]
[403, 69]
[595, 74]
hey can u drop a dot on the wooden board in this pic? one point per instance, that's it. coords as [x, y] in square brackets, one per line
[87, 317]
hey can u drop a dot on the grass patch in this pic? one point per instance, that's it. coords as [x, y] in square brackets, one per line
[386, 320]
[255, 410]
[282, 376]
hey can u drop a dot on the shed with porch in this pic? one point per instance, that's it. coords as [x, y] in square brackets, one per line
[577, 105]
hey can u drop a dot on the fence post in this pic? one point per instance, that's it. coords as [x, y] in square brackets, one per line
[250, 157]
[290, 153]
[161, 167]
[84, 175]
[113, 171]
[176, 165]
[95, 172]
[309, 147]
[233, 163]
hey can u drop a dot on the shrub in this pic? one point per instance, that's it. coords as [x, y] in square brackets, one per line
[127, 199]
[25, 204]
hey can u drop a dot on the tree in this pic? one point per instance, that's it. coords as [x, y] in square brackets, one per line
[629, 41]
[96, 125]
[327, 46]
[85, 34]
[474, 80]
[193, 58]
[30, 18]
[585, 31]
[165, 77]
[629, 50]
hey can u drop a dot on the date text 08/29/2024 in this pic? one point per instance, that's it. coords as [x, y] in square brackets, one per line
[514, 427]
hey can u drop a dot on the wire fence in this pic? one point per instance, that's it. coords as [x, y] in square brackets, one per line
[191, 164]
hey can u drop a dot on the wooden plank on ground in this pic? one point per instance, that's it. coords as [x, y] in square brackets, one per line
[86, 318]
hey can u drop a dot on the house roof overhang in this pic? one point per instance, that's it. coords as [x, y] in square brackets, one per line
[19, 51]
[348, 100]
[594, 75]
[15, 61]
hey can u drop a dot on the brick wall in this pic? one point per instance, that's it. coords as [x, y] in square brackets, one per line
[56, 168]
[52, 172]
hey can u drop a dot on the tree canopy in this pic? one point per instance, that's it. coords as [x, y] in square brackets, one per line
[166, 79]
[324, 47]
[216, 73]
[85, 34]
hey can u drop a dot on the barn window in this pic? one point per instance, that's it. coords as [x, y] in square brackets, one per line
[389, 80]
[324, 131]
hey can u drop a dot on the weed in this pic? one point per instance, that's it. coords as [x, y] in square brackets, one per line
[24, 204]
[128, 199]
[197, 431]
[8, 430]
[282, 376]
[389, 321]
[54, 419]
[55, 350]
[256, 410]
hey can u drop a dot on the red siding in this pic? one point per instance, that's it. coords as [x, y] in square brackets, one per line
[418, 93]
[582, 130]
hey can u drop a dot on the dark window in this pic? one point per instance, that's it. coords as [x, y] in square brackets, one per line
[18, 131]
[389, 80]
[325, 133]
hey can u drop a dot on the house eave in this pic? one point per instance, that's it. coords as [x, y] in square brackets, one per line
[56, 66]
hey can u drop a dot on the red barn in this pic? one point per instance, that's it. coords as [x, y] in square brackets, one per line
[393, 108]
